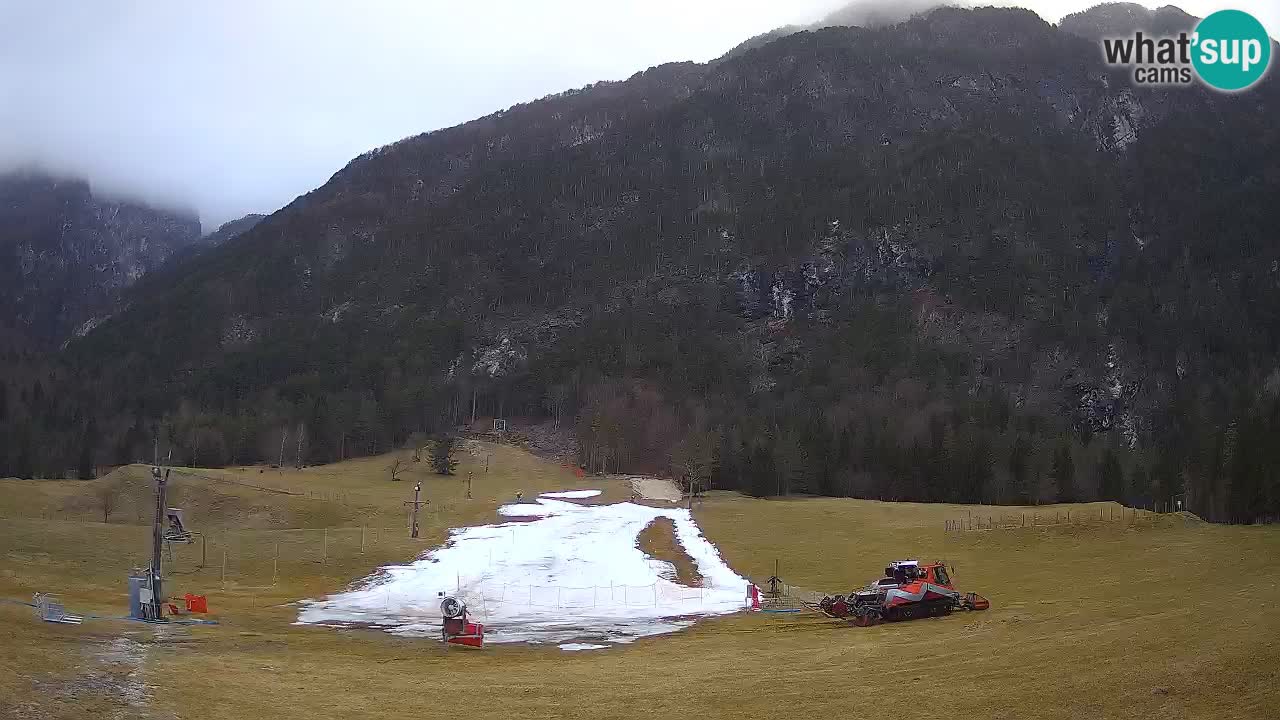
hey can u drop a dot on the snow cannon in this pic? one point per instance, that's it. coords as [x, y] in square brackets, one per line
[909, 590]
[457, 630]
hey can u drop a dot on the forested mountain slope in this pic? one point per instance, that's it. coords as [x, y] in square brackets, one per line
[65, 253]
[952, 259]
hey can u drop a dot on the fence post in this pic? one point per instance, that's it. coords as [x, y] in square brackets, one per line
[224, 569]
[361, 539]
[324, 556]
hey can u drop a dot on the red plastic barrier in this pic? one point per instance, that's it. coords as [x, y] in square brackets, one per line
[196, 603]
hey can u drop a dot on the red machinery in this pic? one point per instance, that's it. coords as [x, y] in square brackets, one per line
[456, 629]
[908, 590]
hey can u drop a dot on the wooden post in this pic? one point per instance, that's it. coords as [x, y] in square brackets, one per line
[361, 539]
[224, 569]
[324, 556]
[155, 572]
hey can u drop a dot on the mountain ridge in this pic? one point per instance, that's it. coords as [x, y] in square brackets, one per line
[945, 259]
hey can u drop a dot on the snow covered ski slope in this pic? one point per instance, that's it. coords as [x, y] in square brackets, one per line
[573, 573]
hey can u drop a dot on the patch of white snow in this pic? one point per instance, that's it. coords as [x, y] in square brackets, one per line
[571, 494]
[575, 574]
[526, 510]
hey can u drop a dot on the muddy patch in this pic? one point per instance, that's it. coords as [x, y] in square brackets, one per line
[108, 683]
[658, 540]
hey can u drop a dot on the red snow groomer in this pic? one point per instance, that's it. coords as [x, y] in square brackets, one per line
[908, 590]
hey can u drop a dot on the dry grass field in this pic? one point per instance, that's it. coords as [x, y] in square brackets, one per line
[1138, 617]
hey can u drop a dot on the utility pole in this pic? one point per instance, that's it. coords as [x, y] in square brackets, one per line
[413, 522]
[157, 542]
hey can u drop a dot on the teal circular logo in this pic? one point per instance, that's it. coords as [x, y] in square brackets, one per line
[1231, 50]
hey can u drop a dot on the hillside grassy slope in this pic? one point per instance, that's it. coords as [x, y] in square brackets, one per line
[1147, 616]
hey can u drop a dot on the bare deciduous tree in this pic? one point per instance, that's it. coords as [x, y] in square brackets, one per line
[108, 495]
[692, 461]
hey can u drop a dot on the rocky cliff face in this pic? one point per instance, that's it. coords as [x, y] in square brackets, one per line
[65, 254]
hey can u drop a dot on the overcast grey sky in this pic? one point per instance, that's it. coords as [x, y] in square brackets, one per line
[235, 106]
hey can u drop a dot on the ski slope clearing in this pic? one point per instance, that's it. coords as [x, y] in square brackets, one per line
[573, 574]
[652, 488]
